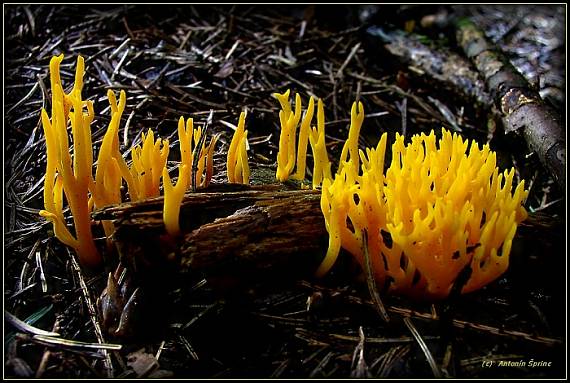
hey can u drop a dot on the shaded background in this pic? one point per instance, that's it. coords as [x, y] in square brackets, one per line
[186, 60]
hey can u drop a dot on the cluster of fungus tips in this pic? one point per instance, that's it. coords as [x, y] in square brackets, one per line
[437, 210]
[70, 177]
[439, 207]
[291, 157]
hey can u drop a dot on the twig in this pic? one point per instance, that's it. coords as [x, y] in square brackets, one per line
[424, 347]
[521, 105]
[371, 280]
[348, 58]
[92, 316]
[199, 148]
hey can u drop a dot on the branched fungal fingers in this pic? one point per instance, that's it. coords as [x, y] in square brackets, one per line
[436, 210]
[61, 177]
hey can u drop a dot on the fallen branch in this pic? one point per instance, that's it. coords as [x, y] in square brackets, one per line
[523, 109]
[443, 66]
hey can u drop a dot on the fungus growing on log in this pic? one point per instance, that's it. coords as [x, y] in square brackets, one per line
[437, 210]
[82, 191]
[441, 207]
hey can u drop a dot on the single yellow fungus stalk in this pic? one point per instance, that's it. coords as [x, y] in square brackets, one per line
[64, 175]
[442, 206]
[185, 135]
[303, 141]
[287, 138]
[351, 144]
[173, 196]
[321, 164]
[242, 167]
[237, 164]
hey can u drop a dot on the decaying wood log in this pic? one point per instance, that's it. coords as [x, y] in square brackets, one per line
[522, 107]
[236, 229]
[445, 67]
[226, 227]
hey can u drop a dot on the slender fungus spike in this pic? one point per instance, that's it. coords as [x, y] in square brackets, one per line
[173, 196]
[243, 161]
[303, 141]
[351, 145]
[322, 165]
[185, 138]
[237, 162]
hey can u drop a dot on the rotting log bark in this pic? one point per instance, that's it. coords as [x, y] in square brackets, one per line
[227, 227]
[448, 68]
[235, 229]
[522, 107]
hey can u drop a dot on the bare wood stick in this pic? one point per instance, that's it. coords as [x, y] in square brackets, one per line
[522, 107]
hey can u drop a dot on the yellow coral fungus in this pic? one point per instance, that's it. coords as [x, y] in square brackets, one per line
[237, 165]
[289, 121]
[111, 166]
[205, 160]
[351, 144]
[83, 192]
[316, 136]
[148, 162]
[321, 163]
[61, 175]
[303, 140]
[437, 210]
[173, 196]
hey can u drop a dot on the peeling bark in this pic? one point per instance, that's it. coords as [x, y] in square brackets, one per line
[251, 228]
